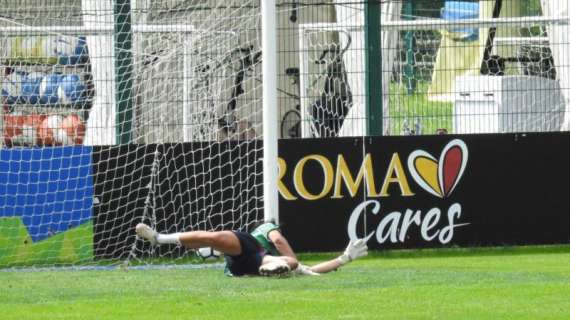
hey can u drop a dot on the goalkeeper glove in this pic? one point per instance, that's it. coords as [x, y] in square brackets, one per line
[353, 251]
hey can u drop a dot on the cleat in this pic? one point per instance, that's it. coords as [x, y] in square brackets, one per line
[147, 233]
[274, 268]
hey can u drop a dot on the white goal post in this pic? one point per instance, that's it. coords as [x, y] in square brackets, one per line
[270, 131]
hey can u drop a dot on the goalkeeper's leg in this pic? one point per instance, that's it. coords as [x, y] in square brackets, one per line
[245, 253]
[224, 241]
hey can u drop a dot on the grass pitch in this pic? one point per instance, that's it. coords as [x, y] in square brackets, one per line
[502, 283]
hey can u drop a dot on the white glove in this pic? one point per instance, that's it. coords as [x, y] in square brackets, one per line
[353, 251]
[305, 270]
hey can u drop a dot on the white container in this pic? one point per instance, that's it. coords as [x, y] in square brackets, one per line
[500, 104]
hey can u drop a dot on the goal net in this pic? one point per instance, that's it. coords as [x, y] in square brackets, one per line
[120, 112]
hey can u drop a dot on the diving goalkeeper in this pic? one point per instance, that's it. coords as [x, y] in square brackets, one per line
[272, 240]
[244, 255]
[244, 252]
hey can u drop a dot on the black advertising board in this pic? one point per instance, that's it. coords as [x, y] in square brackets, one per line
[403, 192]
[398, 192]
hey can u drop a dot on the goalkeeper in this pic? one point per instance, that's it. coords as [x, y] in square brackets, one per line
[272, 240]
[248, 254]
[244, 255]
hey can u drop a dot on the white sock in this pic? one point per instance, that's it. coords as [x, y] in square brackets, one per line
[171, 238]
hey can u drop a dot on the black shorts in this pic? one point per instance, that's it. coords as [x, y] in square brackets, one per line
[249, 261]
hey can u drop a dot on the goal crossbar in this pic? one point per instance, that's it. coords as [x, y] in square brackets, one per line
[101, 29]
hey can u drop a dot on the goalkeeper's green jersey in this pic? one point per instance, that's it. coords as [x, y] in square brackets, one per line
[261, 234]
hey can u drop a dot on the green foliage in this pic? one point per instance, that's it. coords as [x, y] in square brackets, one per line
[503, 283]
[533, 8]
[413, 107]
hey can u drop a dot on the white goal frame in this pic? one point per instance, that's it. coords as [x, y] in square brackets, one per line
[270, 127]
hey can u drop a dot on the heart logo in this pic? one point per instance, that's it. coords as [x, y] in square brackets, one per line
[439, 177]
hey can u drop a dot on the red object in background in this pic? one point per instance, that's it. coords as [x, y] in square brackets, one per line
[49, 132]
[59, 130]
[74, 127]
[22, 129]
[40, 129]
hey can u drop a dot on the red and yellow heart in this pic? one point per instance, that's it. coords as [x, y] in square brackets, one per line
[439, 176]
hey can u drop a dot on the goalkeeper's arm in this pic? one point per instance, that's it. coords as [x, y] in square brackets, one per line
[353, 251]
[281, 244]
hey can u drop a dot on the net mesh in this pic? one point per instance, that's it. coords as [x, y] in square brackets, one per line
[477, 78]
[328, 97]
[111, 119]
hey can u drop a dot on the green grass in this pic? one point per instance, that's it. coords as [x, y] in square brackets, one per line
[503, 283]
[416, 106]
